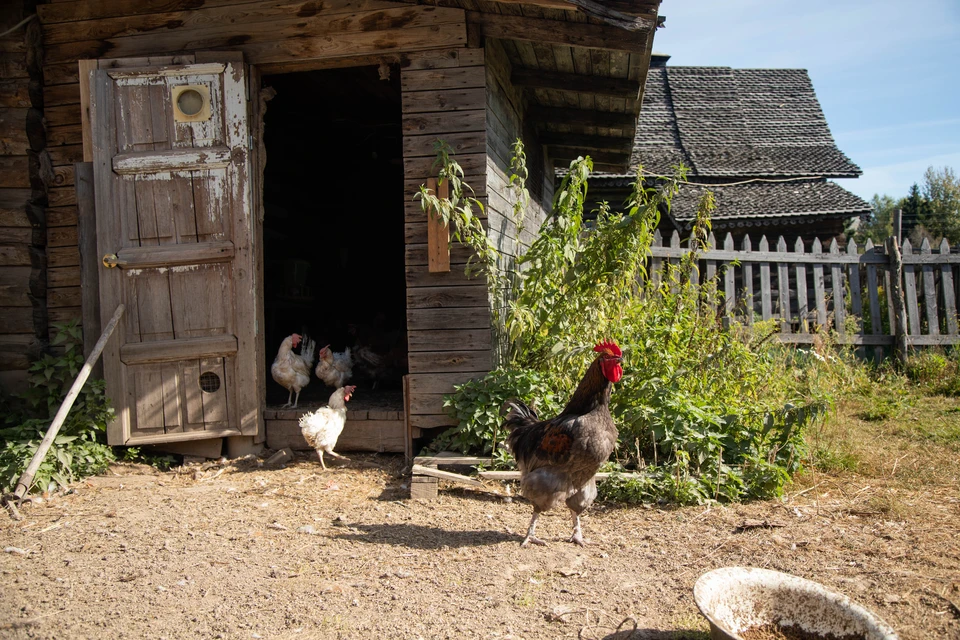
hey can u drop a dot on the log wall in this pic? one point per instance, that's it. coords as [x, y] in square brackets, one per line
[24, 170]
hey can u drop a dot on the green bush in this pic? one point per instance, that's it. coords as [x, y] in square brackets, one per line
[704, 412]
[78, 450]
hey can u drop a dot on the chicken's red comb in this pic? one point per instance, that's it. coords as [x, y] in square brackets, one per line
[609, 346]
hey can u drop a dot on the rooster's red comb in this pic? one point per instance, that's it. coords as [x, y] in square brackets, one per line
[608, 346]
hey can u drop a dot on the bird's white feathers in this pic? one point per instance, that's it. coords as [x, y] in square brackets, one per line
[335, 368]
[322, 428]
[292, 370]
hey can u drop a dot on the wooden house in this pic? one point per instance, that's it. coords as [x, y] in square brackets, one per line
[234, 171]
[756, 138]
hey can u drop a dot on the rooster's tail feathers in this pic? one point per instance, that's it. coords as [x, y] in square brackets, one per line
[307, 353]
[517, 414]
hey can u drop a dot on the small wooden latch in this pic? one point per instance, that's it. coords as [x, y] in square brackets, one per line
[438, 234]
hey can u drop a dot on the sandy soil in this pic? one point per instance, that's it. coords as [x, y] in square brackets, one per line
[239, 550]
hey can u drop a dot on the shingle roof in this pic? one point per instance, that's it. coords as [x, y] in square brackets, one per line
[724, 122]
[796, 200]
[735, 125]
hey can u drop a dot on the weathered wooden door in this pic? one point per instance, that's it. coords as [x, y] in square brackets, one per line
[176, 232]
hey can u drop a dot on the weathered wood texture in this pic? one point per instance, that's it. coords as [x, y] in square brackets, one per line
[808, 291]
[267, 33]
[442, 99]
[24, 174]
[358, 435]
[510, 233]
[184, 360]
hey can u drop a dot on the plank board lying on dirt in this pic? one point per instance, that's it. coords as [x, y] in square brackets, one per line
[515, 475]
[420, 470]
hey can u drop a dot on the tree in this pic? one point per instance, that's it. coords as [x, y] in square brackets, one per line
[941, 190]
[916, 211]
[878, 226]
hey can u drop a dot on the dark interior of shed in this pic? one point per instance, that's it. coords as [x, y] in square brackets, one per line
[333, 224]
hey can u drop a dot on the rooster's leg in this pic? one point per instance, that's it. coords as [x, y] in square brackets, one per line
[320, 453]
[296, 400]
[577, 536]
[531, 530]
[289, 400]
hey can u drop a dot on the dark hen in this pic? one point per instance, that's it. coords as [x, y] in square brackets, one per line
[559, 457]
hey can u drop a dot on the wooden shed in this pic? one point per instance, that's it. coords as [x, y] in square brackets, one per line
[234, 171]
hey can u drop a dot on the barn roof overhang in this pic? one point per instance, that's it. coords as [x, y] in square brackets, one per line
[581, 65]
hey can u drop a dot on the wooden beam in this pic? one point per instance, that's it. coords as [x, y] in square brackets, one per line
[438, 235]
[573, 34]
[603, 143]
[419, 470]
[171, 255]
[626, 14]
[581, 117]
[174, 350]
[604, 86]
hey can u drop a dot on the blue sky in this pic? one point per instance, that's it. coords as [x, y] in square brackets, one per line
[887, 74]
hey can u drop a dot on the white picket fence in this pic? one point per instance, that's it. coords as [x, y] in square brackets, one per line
[810, 291]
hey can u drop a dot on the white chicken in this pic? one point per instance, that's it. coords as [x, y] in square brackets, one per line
[335, 368]
[322, 427]
[292, 370]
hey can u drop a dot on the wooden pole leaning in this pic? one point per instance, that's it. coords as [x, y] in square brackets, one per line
[23, 484]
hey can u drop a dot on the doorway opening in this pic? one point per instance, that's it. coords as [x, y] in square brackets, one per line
[333, 230]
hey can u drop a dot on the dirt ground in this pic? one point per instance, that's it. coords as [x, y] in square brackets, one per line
[239, 550]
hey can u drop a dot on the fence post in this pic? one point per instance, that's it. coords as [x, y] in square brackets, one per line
[898, 225]
[899, 306]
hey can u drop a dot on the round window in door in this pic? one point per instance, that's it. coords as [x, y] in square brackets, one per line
[191, 102]
[209, 382]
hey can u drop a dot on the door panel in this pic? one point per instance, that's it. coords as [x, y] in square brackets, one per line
[171, 165]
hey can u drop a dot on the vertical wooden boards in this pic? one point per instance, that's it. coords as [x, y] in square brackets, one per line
[803, 305]
[837, 289]
[835, 278]
[438, 234]
[910, 290]
[160, 213]
[783, 285]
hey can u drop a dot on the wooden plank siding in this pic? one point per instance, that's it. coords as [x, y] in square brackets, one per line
[24, 175]
[448, 318]
[505, 117]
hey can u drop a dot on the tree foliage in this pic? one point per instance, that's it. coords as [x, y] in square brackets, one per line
[930, 211]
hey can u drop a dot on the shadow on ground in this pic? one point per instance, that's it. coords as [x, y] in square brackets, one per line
[420, 537]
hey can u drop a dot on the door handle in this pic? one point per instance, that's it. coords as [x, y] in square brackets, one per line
[111, 260]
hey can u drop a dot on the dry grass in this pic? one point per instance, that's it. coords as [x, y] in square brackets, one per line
[889, 438]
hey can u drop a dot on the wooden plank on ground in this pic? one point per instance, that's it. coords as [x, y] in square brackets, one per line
[445, 475]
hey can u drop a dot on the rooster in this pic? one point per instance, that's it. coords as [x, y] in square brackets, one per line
[559, 457]
[292, 370]
[322, 427]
